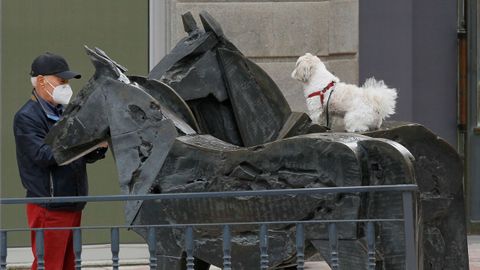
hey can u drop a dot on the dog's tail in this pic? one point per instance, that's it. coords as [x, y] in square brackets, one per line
[382, 97]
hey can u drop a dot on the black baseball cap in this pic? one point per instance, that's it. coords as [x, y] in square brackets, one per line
[52, 64]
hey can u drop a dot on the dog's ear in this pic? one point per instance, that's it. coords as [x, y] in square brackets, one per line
[303, 71]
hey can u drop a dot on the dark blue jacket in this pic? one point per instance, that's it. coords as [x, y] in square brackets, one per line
[40, 174]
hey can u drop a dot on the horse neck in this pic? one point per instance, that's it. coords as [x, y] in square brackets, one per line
[140, 137]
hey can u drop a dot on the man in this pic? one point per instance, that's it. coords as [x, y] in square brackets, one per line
[40, 174]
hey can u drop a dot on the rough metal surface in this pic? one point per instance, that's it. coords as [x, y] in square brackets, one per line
[154, 155]
[153, 135]
[439, 174]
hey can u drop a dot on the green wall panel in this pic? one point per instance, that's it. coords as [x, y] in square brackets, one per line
[31, 27]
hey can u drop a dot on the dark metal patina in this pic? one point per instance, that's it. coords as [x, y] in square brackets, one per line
[253, 141]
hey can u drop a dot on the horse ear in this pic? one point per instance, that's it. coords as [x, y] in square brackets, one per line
[189, 23]
[104, 55]
[102, 64]
[210, 24]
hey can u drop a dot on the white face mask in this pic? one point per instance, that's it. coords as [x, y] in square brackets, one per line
[61, 94]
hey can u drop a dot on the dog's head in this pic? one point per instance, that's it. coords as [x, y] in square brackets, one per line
[305, 67]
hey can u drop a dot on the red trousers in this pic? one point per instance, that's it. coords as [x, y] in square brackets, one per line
[58, 244]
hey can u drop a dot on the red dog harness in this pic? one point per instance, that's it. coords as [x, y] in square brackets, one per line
[322, 92]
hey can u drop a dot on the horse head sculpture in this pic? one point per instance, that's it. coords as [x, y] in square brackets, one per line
[225, 89]
[112, 107]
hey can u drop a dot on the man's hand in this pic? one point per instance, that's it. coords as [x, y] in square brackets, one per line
[98, 153]
[103, 144]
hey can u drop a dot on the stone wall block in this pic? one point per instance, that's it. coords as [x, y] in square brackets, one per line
[291, 88]
[264, 29]
[343, 27]
[345, 69]
[300, 28]
[248, 26]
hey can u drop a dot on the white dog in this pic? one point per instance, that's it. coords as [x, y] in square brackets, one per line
[363, 108]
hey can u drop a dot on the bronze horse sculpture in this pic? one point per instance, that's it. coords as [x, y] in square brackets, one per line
[174, 133]
[156, 151]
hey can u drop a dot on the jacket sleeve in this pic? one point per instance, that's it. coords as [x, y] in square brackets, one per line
[29, 139]
[96, 154]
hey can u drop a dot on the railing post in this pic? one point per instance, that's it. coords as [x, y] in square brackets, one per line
[3, 250]
[152, 247]
[115, 246]
[77, 248]
[227, 246]
[411, 252]
[189, 247]
[333, 242]
[371, 245]
[408, 217]
[263, 247]
[39, 249]
[300, 243]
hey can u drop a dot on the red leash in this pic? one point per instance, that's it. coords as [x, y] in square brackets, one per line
[322, 92]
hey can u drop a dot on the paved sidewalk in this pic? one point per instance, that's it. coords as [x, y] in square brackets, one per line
[135, 257]
[93, 256]
[474, 251]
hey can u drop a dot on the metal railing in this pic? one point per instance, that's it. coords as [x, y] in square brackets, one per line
[408, 221]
